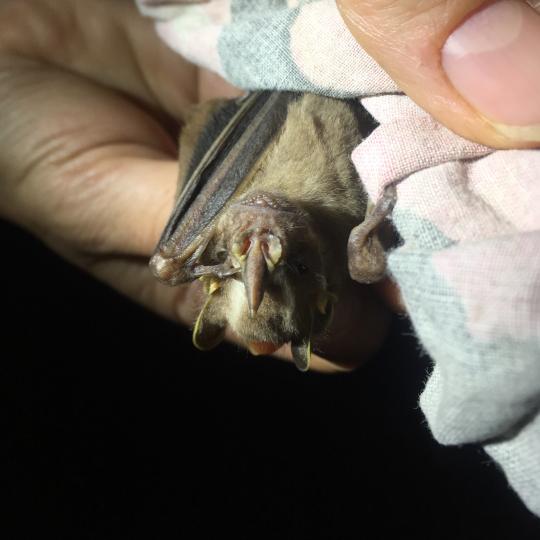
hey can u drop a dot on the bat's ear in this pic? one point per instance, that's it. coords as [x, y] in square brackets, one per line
[301, 353]
[209, 331]
[367, 259]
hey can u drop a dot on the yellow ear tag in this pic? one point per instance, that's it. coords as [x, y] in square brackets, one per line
[213, 286]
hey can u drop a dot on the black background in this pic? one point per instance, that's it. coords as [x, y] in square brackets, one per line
[115, 427]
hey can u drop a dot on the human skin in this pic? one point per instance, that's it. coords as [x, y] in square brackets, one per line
[472, 64]
[91, 101]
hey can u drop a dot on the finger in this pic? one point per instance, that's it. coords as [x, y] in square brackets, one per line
[107, 42]
[473, 65]
[130, 209]
[212, 86]
[132, 278]
[102, 176]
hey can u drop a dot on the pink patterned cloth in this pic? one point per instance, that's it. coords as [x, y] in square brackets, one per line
[469, 266]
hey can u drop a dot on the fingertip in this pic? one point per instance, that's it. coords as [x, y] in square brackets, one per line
[491, 60]
[416, 43]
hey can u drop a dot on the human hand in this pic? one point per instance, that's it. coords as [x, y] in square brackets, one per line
[483, 81]
[90, 100]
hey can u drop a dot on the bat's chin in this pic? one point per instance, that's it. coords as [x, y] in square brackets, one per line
[258, 343]
[258, 335]
[269, 328]
[257, 348]
[263, 335]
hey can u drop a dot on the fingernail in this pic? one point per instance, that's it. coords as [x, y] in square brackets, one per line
[493, 61]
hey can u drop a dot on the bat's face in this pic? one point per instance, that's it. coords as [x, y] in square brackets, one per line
[278, 293]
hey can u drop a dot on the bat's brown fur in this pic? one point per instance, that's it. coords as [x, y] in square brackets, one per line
[303, 191]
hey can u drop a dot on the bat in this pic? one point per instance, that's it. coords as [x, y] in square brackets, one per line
[271, 216]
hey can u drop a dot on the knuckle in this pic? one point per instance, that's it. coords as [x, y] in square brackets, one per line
[34, 28]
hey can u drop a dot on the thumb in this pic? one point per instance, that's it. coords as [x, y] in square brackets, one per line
[473, 65]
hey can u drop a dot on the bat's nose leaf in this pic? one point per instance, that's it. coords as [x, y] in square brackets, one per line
[255, 275]
[301, 353]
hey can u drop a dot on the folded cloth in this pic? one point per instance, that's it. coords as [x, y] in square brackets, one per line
[469, 265]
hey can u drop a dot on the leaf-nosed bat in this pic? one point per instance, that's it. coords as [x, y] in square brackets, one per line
[272, 217]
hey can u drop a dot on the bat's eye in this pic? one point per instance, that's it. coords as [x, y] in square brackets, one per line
[301, 268]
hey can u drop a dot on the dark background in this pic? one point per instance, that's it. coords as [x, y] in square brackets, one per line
[115, 427]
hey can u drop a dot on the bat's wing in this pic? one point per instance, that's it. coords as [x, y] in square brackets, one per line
[230, 144]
